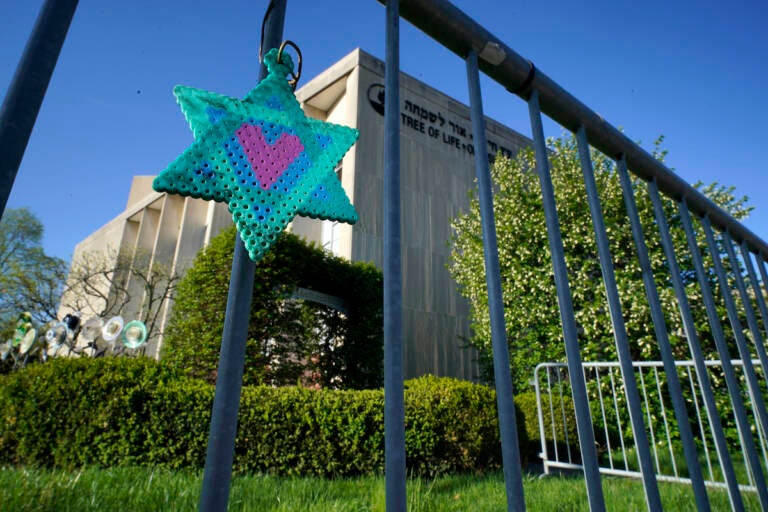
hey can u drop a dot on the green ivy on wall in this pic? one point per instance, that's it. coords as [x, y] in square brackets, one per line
[290, 339]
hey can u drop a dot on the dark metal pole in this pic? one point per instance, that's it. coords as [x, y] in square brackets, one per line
[27, 90]
[394, 401]
[755, 284]
[760, 286]
[662, 338]
[748, 310]
[652, 496]
[731, 380]
[510, 448]
[217, 475]
[753, 385]
[567, 317]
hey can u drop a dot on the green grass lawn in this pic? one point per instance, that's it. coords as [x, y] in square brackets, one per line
[141, 489]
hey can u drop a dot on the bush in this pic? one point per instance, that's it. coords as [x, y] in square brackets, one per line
[77, 411]
[450, 425]
[122, 411]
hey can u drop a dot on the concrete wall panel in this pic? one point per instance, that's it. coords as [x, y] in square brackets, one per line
[437, 170]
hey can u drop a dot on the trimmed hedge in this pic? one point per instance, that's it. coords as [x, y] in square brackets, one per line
[122, 411]
[450, 425]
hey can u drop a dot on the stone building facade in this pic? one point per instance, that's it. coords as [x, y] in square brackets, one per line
[437, 170]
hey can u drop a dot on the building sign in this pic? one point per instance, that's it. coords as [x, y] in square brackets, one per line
[376, 98]
[438, 126]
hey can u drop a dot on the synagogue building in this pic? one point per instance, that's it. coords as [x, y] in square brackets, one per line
[437, 172]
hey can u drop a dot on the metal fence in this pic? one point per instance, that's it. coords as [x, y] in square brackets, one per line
[617, 454]
[710, 232]
[736, 289]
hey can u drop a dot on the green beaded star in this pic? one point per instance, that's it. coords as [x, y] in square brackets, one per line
[262, 156]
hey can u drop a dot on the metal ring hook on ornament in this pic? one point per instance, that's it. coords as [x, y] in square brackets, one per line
[294, 76]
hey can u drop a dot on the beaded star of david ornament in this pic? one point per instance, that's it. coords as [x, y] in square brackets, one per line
[262, 156]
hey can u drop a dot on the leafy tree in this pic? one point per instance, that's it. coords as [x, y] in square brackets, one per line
[289, 339]
[128, 283]
[531, 310]
[30, 280]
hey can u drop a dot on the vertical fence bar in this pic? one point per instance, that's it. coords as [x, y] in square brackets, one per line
[694, 346]
[604, 417]
[394, 401]
[702, 430]
[733, 316]
[575, 369]
[755, 284]
[552, 412]
[652, 496]
[751, 319]
[660, 329]
[666, 422]
[563, 416]
[761, 439]
[27, 89]
[540, 412]
[510, 449]
[217, 474]
[647, 403]
[758, 404]
[731, 381]
[764, 316]
[615, 398]
[764, 280]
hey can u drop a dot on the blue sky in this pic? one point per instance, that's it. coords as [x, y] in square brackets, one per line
[694, 71]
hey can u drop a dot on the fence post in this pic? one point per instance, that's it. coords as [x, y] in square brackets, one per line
[542, 433]
[575, 369]
[510, 448]
[755, 284]
[734, 390]
[660, 328]
[733, 316]
[394, 408]
[764, 278]
[27, 89]
[217, 474]
[652, 496]
[749, 311]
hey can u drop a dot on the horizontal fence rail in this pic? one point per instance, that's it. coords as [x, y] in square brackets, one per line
[691, 420]
[616, 442]
[451, 27]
